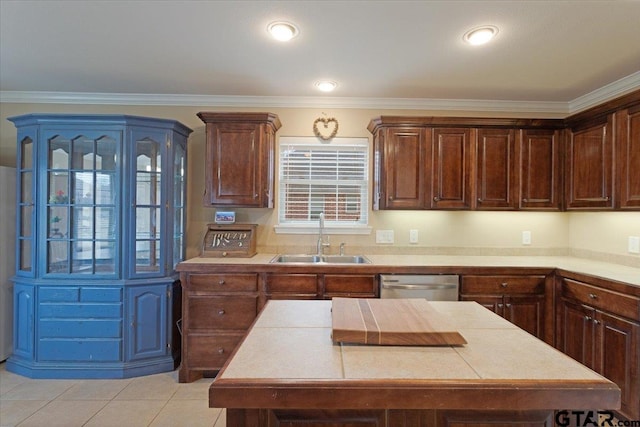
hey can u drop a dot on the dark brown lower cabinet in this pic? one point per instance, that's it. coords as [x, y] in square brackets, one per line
[386, 418]
[519, 299]
[605, 341]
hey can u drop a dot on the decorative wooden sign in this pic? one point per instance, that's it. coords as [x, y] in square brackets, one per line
[229, 240]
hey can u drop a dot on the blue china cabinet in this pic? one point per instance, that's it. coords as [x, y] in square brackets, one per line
[101, 203]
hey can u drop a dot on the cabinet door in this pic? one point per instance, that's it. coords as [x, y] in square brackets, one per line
[618, 358]
[451, 168]
[147, 308]
[404, 168]
[628, 158]
[526, 312]
[589, 167]
[233, 175]
[576, 332]
[497, 180]
[24, 309]
[540, 173]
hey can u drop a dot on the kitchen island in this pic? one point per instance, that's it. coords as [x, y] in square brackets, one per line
[287, 371]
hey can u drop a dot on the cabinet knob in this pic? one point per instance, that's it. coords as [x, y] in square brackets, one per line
[593, 296]
[221, 282]
[596, 322]
[504, 284]
[436, 199]
[390, 197]
[525, 200]
[587, 318]
[255, 196]
[508, 305]
[221, 350]
[480, 199]
[220, 312]
[499, 305]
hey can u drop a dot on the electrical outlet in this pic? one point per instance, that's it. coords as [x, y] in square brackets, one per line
[384, 236]
[526, 237]
[413, 236]
[634, 245]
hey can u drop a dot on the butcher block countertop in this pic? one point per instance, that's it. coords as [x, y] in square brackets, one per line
[398, 263]
[288, 360]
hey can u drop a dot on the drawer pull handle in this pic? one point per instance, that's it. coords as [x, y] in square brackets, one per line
[221, 312]
[221, 350]
[504, 285]
[221, 282]
[593, 296]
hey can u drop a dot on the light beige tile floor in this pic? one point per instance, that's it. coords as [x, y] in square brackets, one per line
[150, 401]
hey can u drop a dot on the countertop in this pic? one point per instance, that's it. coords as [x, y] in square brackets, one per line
[289, 350]
[604, 270]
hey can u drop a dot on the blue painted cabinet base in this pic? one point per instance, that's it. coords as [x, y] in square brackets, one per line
[94, 331]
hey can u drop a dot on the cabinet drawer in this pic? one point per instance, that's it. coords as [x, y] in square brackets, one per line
[210, 352]
[223, 282]
[502, 285]
[344, 284]
[300, 284]
[222, 312]
[613, 302]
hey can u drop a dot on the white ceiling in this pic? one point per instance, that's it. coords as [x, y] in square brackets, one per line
[545, 52]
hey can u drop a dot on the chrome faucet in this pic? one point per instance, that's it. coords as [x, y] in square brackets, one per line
[321, 243]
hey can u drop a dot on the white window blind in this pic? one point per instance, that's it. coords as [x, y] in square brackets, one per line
[325, 177]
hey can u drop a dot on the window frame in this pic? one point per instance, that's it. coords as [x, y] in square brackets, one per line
[331, 227]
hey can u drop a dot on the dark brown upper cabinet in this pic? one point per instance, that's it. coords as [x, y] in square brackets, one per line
[628, 157]
[239, 164]
[541, 169]
[450, 180]
[465, 163]
[589, 166]
[404, 169]
[496, 169]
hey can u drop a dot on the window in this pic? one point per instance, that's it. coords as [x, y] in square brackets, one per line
[330, 177]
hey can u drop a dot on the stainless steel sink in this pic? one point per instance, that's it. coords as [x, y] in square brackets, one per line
[346, 259]
[320, 259]
[297, 259]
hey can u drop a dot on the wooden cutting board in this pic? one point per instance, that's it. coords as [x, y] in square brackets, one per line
[391, 322]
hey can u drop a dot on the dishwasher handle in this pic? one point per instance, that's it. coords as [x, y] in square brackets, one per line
[387, 285]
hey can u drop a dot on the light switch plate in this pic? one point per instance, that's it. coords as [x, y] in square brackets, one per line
[384, 236]
[634, 244]
[526, 237]
[413, 236]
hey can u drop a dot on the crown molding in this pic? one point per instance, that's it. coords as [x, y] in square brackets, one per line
[605, 93]
[87, 98]
[598, 96]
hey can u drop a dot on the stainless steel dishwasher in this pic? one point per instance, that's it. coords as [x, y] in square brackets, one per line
[433, 287]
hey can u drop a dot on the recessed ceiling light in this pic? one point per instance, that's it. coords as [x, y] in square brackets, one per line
[282, 31]
[325, 85]
[480, 35]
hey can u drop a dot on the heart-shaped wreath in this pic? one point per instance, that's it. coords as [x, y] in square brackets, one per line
[325, 121]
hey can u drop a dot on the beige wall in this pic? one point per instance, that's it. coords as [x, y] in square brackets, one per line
[493, 232]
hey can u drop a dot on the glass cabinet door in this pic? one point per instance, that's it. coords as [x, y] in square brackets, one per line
[148, 205]
[179, 204]
[25, 232]
[81, 204]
